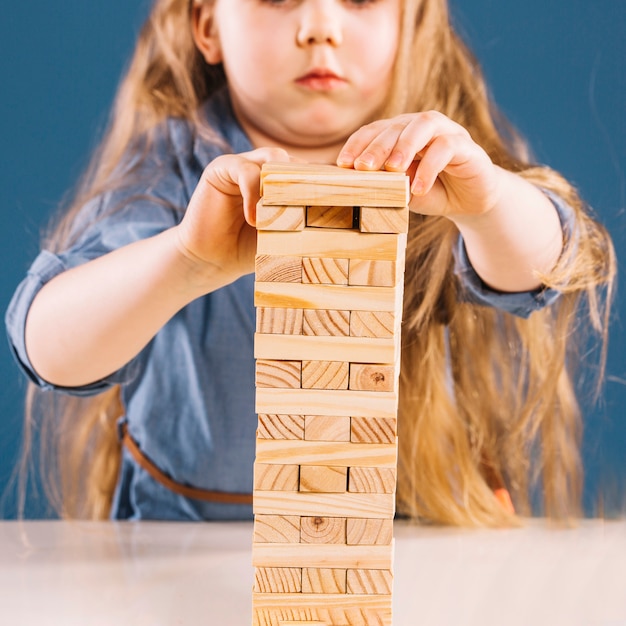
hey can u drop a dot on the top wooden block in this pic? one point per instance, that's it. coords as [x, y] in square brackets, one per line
[328, 185]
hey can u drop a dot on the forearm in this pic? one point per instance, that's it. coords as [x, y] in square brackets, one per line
[89, 321]
[517, 240]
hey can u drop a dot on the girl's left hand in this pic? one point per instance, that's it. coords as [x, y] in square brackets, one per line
[451, 175]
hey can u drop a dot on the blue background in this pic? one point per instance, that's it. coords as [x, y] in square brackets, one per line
[557, 69]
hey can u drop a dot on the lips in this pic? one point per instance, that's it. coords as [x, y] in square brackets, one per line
[321, 79]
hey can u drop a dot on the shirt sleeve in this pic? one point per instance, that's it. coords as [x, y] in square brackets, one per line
[138, 218]
[523, 303]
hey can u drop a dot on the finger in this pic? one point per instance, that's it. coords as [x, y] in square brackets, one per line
[357, 143]
[376, 153]
[435, 158]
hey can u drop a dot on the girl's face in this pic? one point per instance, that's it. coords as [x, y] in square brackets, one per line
[302, 74]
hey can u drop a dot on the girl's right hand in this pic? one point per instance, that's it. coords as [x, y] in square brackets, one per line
[218, 230]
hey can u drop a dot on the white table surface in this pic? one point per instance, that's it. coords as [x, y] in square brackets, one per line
[187, 574]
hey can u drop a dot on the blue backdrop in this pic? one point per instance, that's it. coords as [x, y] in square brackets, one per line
[557, 69]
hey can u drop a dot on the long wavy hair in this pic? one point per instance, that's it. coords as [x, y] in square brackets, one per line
[486, 399]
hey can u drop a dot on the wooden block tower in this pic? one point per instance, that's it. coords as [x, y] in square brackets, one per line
[328, 292]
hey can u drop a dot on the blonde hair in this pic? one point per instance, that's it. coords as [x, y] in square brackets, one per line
[485, 398]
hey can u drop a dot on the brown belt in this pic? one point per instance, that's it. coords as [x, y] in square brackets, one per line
[223, 497]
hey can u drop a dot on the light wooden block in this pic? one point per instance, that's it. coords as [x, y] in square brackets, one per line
[369, 531]
[325, 374]
[373, 377]
[372, 480]
[316, 580]
[279, 321]
[282, 218]
[327, 427]
[373, 324]
[370, 505]
[278, 580]
[338, 297]
[373, 429]
[325, 348]
[334, 244]
[275, 373]
[372, 273]
[323, 530]
[277, 529]
[330, 609]
[334, 453]
[326, 402]
[280, 426]
[330, 216]
[381, 220]
[328, 185]
[276, 477]
[274, 268]
[323, 479]
[322, 555]
[325, 271]
[369, 581]
[324, 323]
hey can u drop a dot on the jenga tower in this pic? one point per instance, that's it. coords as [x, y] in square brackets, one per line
[328, 292]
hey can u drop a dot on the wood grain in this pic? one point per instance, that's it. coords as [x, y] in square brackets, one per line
[279, 321]
[277, 529]
[325, 271]
[273, 268]
[369, 531]
[329, 216]
[281, 426]
[327, 427]
[325, 323]
[277, 373]
[281, 218]
[317, 529]
[325, 374]
[324, 479]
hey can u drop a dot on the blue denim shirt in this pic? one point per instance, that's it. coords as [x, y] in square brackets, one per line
[189, 394]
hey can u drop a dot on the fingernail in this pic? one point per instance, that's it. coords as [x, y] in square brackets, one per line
[417, 188]
[394, 161]
[344, 158]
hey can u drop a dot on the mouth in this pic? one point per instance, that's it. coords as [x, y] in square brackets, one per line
[321, 79]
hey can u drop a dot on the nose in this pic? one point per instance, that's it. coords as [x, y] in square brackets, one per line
[320, 23]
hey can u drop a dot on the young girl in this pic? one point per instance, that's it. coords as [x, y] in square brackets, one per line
[136, 321]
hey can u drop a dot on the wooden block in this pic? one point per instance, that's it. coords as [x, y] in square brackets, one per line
[333, 244]
[369, 581]
[323, 479]
[369, 531]
[326, 402]
[370, 505]
[334, 453]
[373, 377]
[330, 216]
[322, 348]
[277, 529]
[325, 374]
[316, 185]
[372, 273]
[316, 580]
[323, 530]
[275, 373]
[278, 579]
[325, 271]
[384, 220]
[373, 324]
[338, 297]
[280, 321]
[282, 269]
[282, 218]
[327, 428]
[372, 480]
[373, 429]
[276, 477]
[324, 323]
[330, 609]
[322, 555]
[280, 426]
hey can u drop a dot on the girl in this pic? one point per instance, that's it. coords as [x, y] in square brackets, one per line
[137, 318]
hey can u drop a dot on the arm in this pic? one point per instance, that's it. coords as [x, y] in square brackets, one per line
[511, 230]
[89, 321]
